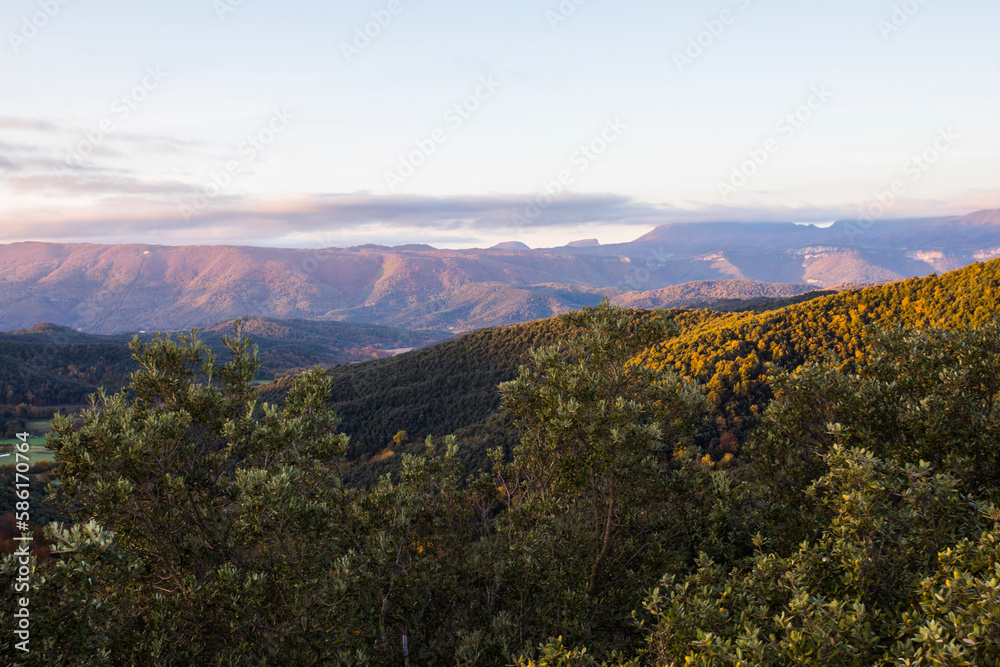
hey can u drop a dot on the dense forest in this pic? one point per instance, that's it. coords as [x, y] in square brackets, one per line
[54, 366]
[436, 390]
[49, 365]
[814, 485]
[730, 354]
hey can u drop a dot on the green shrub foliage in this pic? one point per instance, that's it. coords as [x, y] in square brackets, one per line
[857, 525]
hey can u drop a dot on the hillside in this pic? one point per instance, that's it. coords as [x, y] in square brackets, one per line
[439, 389]
[115, 288]
[729, 353]
[49, 365]
[288, 346]
[451, 388]
[705, 292]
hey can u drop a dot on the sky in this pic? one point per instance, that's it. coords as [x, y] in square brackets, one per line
[466, 123]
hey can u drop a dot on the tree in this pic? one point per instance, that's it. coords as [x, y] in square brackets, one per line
[920, 396]
[589, 490]
[214, 529]
[231, 510]
[886, 477]
[874, 575]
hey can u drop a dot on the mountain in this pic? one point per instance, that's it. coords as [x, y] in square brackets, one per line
[108, 289]
[844, 252]
[114, 288]
[452, 387]
[707, 292]
[510, 245]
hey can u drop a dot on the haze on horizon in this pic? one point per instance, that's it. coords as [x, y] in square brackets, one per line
[312, 124]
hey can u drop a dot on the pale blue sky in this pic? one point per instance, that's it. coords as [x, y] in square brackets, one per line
[322, 180]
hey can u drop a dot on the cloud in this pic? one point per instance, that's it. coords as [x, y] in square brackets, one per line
[37, 124]
[490, 213]
[100, 196]
[440, 213]
[83, 182]
[132, 215]
[69, 165]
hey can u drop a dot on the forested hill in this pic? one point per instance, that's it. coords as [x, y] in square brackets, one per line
[50, 365]
[729, 353]
[438, 389]
[452, 386]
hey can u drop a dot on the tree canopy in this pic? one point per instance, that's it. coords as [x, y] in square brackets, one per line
[857, 525]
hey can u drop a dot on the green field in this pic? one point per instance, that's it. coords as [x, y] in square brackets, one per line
[37, 452]
[39, 426]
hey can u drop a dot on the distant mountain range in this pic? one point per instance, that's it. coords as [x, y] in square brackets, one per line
[115, 288]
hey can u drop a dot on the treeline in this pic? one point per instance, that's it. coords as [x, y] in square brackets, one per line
[857, 528]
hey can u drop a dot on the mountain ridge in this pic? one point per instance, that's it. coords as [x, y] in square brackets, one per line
[127, 287]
